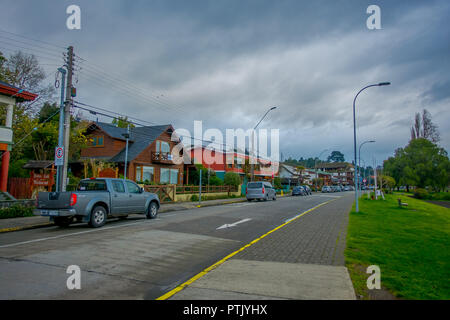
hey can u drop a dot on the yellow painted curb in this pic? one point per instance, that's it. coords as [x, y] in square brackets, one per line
[215, 265]
[25, 227]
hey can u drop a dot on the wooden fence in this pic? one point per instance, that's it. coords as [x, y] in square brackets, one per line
[205, 189]
[20, 188]
[166, 193]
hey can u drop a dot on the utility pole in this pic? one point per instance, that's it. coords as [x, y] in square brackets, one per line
[61, 127]
[67, 106]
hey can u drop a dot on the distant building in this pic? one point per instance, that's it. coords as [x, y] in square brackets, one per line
[342, 173]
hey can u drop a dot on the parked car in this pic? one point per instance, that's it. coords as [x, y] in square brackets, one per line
[95, 200]
[260, 191]
[298, 191]
[347, 188]
[326, 189]
[307, 190]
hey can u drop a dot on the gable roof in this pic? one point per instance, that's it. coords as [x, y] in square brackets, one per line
[140, 138]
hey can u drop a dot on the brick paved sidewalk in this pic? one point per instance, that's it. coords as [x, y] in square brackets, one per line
[302, 260]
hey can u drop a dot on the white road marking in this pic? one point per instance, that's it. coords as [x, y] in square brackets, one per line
[74, 234]
[233, 224]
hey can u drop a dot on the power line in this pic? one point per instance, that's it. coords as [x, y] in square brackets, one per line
[34, 129]
[28, 38]
[111, 84]
[142, 125]
[155, 98]
[28, 44]
[14, 50]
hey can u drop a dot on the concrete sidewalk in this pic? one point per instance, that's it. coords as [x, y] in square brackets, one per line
[17, 224]
[302, 259]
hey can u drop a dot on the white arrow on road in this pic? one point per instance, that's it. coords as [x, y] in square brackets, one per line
[233, 224]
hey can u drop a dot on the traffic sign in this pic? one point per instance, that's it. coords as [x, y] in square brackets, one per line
[59, 156]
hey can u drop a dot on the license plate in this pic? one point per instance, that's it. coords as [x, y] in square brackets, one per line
[50, 213]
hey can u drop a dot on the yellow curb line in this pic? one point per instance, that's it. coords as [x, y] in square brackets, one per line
[25, 227]
[215, 265]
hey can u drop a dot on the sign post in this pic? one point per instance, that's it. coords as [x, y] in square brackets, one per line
[59, 161]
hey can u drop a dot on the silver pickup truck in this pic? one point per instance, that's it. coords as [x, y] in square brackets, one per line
[95, 200]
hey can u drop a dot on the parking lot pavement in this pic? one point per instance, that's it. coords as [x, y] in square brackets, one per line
[136, 258]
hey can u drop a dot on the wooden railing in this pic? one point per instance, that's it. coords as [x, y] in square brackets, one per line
[163, 157]
[205, 189]
[166, 193]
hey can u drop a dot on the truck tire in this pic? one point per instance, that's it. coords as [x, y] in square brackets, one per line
[152, 210]
[98, 217]
[63, 222]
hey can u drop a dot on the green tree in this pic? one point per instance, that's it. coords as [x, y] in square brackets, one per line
[122, 122]
[300, 170]
[421, 163]
[336, 156]
[232, 179]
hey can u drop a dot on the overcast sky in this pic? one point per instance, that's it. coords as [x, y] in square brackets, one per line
[226, 62]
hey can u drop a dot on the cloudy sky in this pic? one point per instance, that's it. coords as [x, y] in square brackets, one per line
[226, 62]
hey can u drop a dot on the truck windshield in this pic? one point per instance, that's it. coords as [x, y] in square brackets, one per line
[92, 185]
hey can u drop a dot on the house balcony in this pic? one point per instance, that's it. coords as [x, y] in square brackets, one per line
[162, 157]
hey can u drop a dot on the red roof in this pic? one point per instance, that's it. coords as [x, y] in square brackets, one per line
[9, 90]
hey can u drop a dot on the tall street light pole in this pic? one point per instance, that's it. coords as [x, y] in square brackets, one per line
[359, 156]
[253, 143]
[354, 137]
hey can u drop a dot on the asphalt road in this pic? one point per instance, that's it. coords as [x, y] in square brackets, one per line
[138, 258]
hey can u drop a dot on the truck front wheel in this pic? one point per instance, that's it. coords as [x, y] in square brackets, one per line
[98, 217]
[152, 210]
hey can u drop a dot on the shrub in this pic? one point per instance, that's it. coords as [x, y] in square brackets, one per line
[194, 197]
[16, 211]
[215, 181]
[420, 193]
[232, 179]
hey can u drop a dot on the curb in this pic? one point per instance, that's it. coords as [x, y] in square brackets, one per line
[36, 226]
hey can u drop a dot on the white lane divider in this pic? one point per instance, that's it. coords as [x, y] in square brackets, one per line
[233, 224]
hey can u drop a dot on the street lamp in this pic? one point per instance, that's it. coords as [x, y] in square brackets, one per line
[253, 146]
[359, 155]
[354, 137]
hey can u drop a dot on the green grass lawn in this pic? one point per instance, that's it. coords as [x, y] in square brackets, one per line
[411, 245]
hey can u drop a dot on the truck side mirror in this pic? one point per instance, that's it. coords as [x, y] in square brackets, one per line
[141, 189]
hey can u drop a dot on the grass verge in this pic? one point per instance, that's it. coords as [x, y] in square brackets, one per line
[409, 244]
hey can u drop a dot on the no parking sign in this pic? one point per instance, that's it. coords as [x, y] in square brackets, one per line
[59, 156]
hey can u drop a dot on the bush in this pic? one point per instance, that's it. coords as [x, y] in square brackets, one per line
[420, 193]
[215, 181]
[194, 197]
[16, 211]
[232, 179]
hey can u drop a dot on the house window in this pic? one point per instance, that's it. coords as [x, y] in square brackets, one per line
[173, 176]
[144, 173]
[165, 175]
[97, 141]
[169, 176]
[162, 146]
[238, 163]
